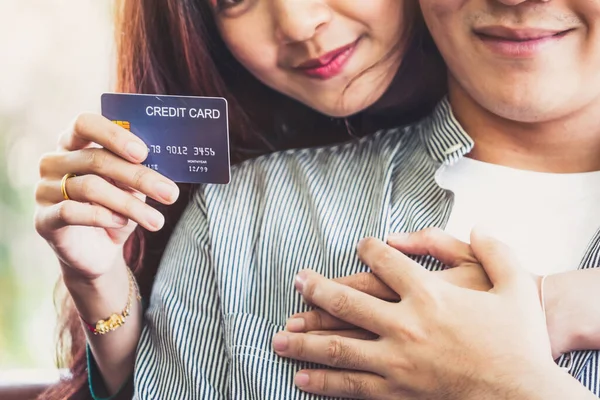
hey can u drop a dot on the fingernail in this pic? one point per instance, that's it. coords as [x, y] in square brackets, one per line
[299, 282]
[398, 236]
[361, 244]
[155, 218]
[295, 324]
[119, 219]
[301, 379]
[280, 342]
[167, 192]
[136, 150]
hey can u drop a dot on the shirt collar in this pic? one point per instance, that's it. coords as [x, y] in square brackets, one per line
[445, 139]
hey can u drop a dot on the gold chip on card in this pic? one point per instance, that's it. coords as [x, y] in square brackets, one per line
[124, 124]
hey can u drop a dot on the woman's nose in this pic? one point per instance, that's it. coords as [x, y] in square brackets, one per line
[299, 20]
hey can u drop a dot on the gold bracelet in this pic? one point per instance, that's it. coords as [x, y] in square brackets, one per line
[115, 321]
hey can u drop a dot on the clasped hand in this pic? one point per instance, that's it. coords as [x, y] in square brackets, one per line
[441, 341]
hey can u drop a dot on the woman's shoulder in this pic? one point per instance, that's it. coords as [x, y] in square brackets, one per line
[310, 170]
[306, 183]
[327, 158]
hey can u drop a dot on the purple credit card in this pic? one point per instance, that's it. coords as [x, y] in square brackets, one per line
[187, 137]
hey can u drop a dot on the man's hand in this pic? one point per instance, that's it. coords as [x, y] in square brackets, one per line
[439, 342]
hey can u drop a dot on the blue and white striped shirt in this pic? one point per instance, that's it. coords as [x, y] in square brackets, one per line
[225, 284]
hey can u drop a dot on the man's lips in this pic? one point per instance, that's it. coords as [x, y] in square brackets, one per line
[519, 43]
[517, 35]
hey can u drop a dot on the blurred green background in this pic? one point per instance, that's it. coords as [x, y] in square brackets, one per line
[56, 58]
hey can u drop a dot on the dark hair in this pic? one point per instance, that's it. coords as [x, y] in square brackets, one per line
[173, 47]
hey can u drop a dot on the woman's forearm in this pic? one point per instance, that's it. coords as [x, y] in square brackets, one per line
[114, 352]
[551, 383]
[572, 301]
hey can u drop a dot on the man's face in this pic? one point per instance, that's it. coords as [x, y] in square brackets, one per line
[527, 61]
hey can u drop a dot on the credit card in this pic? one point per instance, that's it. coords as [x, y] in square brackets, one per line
[187, 137]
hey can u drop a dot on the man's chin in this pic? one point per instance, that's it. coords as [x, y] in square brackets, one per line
[524, 109]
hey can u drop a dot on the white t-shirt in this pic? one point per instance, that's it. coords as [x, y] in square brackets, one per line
[548, 219]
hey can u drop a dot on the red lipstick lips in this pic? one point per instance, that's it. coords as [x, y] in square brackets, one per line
[329, 64]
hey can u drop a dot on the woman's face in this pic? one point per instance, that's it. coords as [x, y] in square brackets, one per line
[336, 56]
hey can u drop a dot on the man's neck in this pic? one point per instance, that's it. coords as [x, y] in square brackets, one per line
[567, 145]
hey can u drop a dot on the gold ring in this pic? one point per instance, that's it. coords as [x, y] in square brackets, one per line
[63, 185]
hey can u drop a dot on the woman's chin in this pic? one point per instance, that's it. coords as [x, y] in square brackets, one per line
[347, 109]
